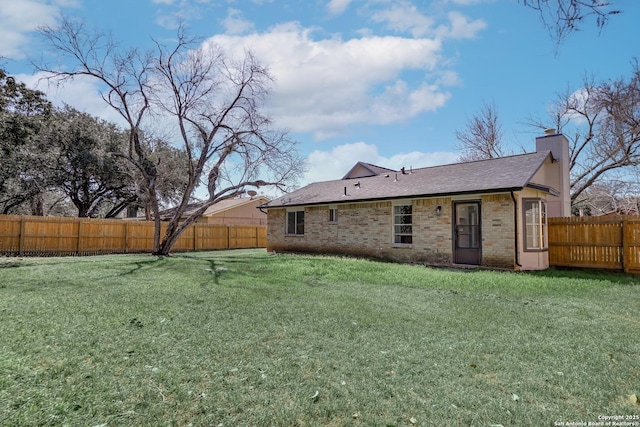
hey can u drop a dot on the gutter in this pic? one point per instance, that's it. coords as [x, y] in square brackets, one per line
[515, 227]
[545, 188]
[400, 197]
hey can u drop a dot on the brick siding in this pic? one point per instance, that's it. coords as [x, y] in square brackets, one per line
[366, 229]
[498, 232]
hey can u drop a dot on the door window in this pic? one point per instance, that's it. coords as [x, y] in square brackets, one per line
[468, 225]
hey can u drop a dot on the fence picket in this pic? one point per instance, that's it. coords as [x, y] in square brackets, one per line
[608, 242]
[34, 235]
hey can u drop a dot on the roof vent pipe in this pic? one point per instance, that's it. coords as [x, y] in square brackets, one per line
[402, 170]
[345, 191]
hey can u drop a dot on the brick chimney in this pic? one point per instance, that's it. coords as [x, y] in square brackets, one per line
[558, 178]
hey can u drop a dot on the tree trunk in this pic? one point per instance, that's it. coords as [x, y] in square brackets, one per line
[156, 214]
[83, 211]
[175, 229]
[37, 205]
[170, 239]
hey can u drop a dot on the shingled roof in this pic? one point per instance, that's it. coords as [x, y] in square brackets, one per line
[510, 173]
[363, 169]
[216, 208]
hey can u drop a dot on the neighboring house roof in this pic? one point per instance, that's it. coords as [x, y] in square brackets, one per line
[493, 175]
[216, 208]
[362, 169]
[622, 211]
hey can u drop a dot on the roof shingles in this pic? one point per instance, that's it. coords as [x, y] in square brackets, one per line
[492, 175]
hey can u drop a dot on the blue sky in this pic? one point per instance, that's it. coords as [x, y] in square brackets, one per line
[382, 81]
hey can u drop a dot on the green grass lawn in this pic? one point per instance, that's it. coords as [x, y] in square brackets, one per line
[245, 338]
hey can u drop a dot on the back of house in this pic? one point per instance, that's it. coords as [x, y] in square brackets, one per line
[490, 213]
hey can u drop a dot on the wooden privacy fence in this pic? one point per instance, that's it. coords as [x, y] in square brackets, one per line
[611, 242]
[33, 235]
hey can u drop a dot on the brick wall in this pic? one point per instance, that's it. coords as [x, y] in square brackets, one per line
[498, 233]
[432, 233]
[362, 229]
[365, 229]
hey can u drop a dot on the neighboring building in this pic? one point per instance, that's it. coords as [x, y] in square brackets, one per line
[240, 211]
[624, 210]
[489, 213]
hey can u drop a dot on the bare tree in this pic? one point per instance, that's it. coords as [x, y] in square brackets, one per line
[601, 120]
[482, 137]
[599, 199]
[214, 102]
[125, 78]
[564, 17]
[617, 195]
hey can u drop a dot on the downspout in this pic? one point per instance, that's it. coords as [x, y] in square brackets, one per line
[515, 227]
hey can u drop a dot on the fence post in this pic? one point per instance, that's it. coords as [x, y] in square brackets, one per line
[195, 236]
[21, 238]
[625, 245]
[79, 245]
[126, 237]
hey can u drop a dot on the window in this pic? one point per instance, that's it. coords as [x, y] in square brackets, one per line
[295, 222]
[333, 214]
[535, 224]
[402, 224]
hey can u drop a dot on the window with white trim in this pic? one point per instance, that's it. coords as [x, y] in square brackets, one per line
[333, 214]
[535, 224]
[295, 222]
[403, 224]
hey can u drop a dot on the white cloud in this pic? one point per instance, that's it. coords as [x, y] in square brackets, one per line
[234, 24]
[323, 86]
[405, 17]
[335, 163]
[400, 102]
[470, 2]
[178, 13]
[82, 93]
[462, 28]
[18, 19]
[67, 3]
[168, 21]
[579, 100]
[336, 7]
